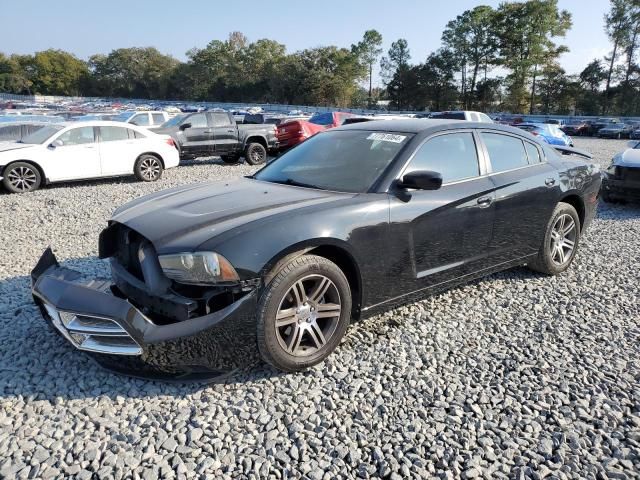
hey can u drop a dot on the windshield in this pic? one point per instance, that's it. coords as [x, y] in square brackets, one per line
[322, 119]
[172, 122]
[344, 161]
[42, 135]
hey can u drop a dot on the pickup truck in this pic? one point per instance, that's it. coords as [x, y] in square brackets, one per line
[217, 133]
[293, 132]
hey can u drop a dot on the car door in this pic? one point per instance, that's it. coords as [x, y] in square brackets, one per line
[118, 149]
[526, 191]
[225, 132]
[73, 155]
[445, 233]
[198, 137]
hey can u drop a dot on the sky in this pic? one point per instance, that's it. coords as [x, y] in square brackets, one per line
[84, 27]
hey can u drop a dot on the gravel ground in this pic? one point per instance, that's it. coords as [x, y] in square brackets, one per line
[514, 376]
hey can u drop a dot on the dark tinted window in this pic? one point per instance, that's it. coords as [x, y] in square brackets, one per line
[158, 118]
[532, 152]
[505, 152]
[10, 132]
[113, 134]
[322, 119]
[453, 155]
[77, 136]
[198, 120]
[221, 120]
[347, 161]
[449, 115]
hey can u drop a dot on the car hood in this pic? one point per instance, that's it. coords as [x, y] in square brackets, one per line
[628, 158]
[183, 218]
[7, 146]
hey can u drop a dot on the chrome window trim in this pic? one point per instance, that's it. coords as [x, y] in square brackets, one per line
[508, 134]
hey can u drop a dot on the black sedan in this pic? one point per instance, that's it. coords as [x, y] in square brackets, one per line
[621, 180]
[356, 220]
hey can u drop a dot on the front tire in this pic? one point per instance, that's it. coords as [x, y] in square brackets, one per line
[560, 242]
[303, 313]
[148, 168]
[21, 177]
[255, 154]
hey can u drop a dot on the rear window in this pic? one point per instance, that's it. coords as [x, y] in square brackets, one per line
[322, 119]
[449, 115]
[505, 152]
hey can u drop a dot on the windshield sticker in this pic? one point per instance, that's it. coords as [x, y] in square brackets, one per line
[386, 137]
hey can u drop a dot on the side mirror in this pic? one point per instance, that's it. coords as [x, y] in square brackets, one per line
[184, 126]
[632, 143]
[421, 180]
[56, 143]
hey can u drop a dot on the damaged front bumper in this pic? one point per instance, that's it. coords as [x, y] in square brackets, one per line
[122, 338]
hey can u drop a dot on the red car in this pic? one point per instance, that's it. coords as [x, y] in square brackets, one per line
[292, 133]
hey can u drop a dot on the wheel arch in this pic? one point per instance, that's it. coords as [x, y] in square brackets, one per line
[576, 202]
[256, 139]
[334, 250]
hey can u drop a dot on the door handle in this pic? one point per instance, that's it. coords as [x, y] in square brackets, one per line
[231, 130]
[484, 202]
[550, 182]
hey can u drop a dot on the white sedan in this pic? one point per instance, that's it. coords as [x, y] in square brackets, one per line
[77, 151]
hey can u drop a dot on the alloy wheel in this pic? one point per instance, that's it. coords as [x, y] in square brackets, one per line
[22, 178]
[563, 239]
[257, 156]
[150, 168]
[308, 315]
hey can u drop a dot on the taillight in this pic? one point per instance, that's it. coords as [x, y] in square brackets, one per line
[171, 142]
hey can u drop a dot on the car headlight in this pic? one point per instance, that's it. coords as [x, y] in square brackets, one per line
[198, 268]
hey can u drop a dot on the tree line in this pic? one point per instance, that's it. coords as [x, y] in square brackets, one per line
[490, 59]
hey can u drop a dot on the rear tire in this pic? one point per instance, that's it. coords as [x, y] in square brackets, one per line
[148, 168]
[303, 313]
[255, 154]
[560, 242]
[21, 177]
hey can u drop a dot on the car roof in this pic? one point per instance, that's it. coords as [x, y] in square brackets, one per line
[424, 125]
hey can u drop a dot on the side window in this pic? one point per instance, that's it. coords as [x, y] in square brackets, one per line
[453, 155]
[533, 153]
[77, 136]
[199, 120]
[10, 132]
[158, 118]
[113, 134]
[141, 119]
[505, 152]
[485, 118]
[29, 129]
[221, 120]
[135, 134]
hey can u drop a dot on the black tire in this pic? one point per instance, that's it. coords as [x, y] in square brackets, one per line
[148, 168]
[547, 259]
[21, 177]
[255, 154]
[230, 159]
[304, 270]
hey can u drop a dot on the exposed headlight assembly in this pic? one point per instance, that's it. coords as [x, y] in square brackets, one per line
[198, 268]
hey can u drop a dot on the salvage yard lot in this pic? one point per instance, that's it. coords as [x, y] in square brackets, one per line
[516, 374]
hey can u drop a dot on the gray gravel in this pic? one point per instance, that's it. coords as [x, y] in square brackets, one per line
[514, 376]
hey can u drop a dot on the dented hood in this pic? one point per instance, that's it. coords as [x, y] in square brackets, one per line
[183, 218]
